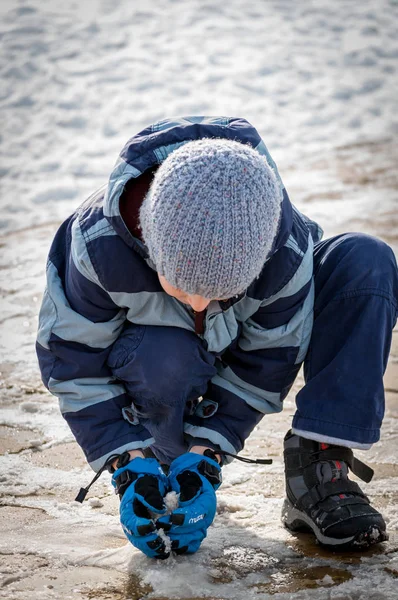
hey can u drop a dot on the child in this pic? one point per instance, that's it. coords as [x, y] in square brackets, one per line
[192, 276]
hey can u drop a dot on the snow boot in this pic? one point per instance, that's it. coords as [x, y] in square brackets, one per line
[321, 498]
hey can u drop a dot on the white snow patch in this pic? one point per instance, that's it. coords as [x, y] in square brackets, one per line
[166, 539]
[171, 501]
[95, 502]
[326, 580]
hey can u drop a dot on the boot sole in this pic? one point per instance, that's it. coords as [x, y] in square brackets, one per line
[295, 520]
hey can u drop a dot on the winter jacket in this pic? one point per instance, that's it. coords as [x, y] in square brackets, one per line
[100, 277]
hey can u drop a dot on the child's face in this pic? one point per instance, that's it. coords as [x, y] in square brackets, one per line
[198, 303]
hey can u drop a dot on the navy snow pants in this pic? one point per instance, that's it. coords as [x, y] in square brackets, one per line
[356, 292]
[356, 302]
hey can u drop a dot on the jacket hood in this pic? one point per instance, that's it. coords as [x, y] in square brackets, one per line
[145, 151]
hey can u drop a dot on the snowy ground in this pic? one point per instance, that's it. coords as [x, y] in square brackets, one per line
[319, 81]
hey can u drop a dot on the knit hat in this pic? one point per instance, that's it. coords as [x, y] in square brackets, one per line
[210, 217]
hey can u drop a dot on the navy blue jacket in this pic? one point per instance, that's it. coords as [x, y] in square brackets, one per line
[99, 277]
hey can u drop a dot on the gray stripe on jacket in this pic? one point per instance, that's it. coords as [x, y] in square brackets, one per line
[80, 393]
[264, 401]
[69, 325]
[80, 255]
[154, 308]
[137, 445]
[301, 277]
[212, 435]
[292, 334]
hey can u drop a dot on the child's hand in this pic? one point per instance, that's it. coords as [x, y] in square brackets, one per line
[195, 478]
[142, 486]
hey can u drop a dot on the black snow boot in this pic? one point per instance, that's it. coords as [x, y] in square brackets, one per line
[321, 498]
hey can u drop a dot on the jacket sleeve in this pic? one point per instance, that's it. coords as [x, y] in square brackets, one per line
[256, 373]
[78, 323]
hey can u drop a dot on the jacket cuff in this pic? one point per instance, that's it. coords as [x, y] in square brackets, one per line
[195, 438]
[97, 463]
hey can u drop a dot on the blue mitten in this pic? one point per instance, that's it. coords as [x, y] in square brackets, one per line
[142, 485]
[195, 478]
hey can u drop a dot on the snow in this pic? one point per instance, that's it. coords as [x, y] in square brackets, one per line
[79, 81]
[95, 503]
[327, 580]
[319, 82]
[166, 540]
[171, 501]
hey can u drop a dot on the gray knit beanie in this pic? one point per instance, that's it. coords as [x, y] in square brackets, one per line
[211, 216]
